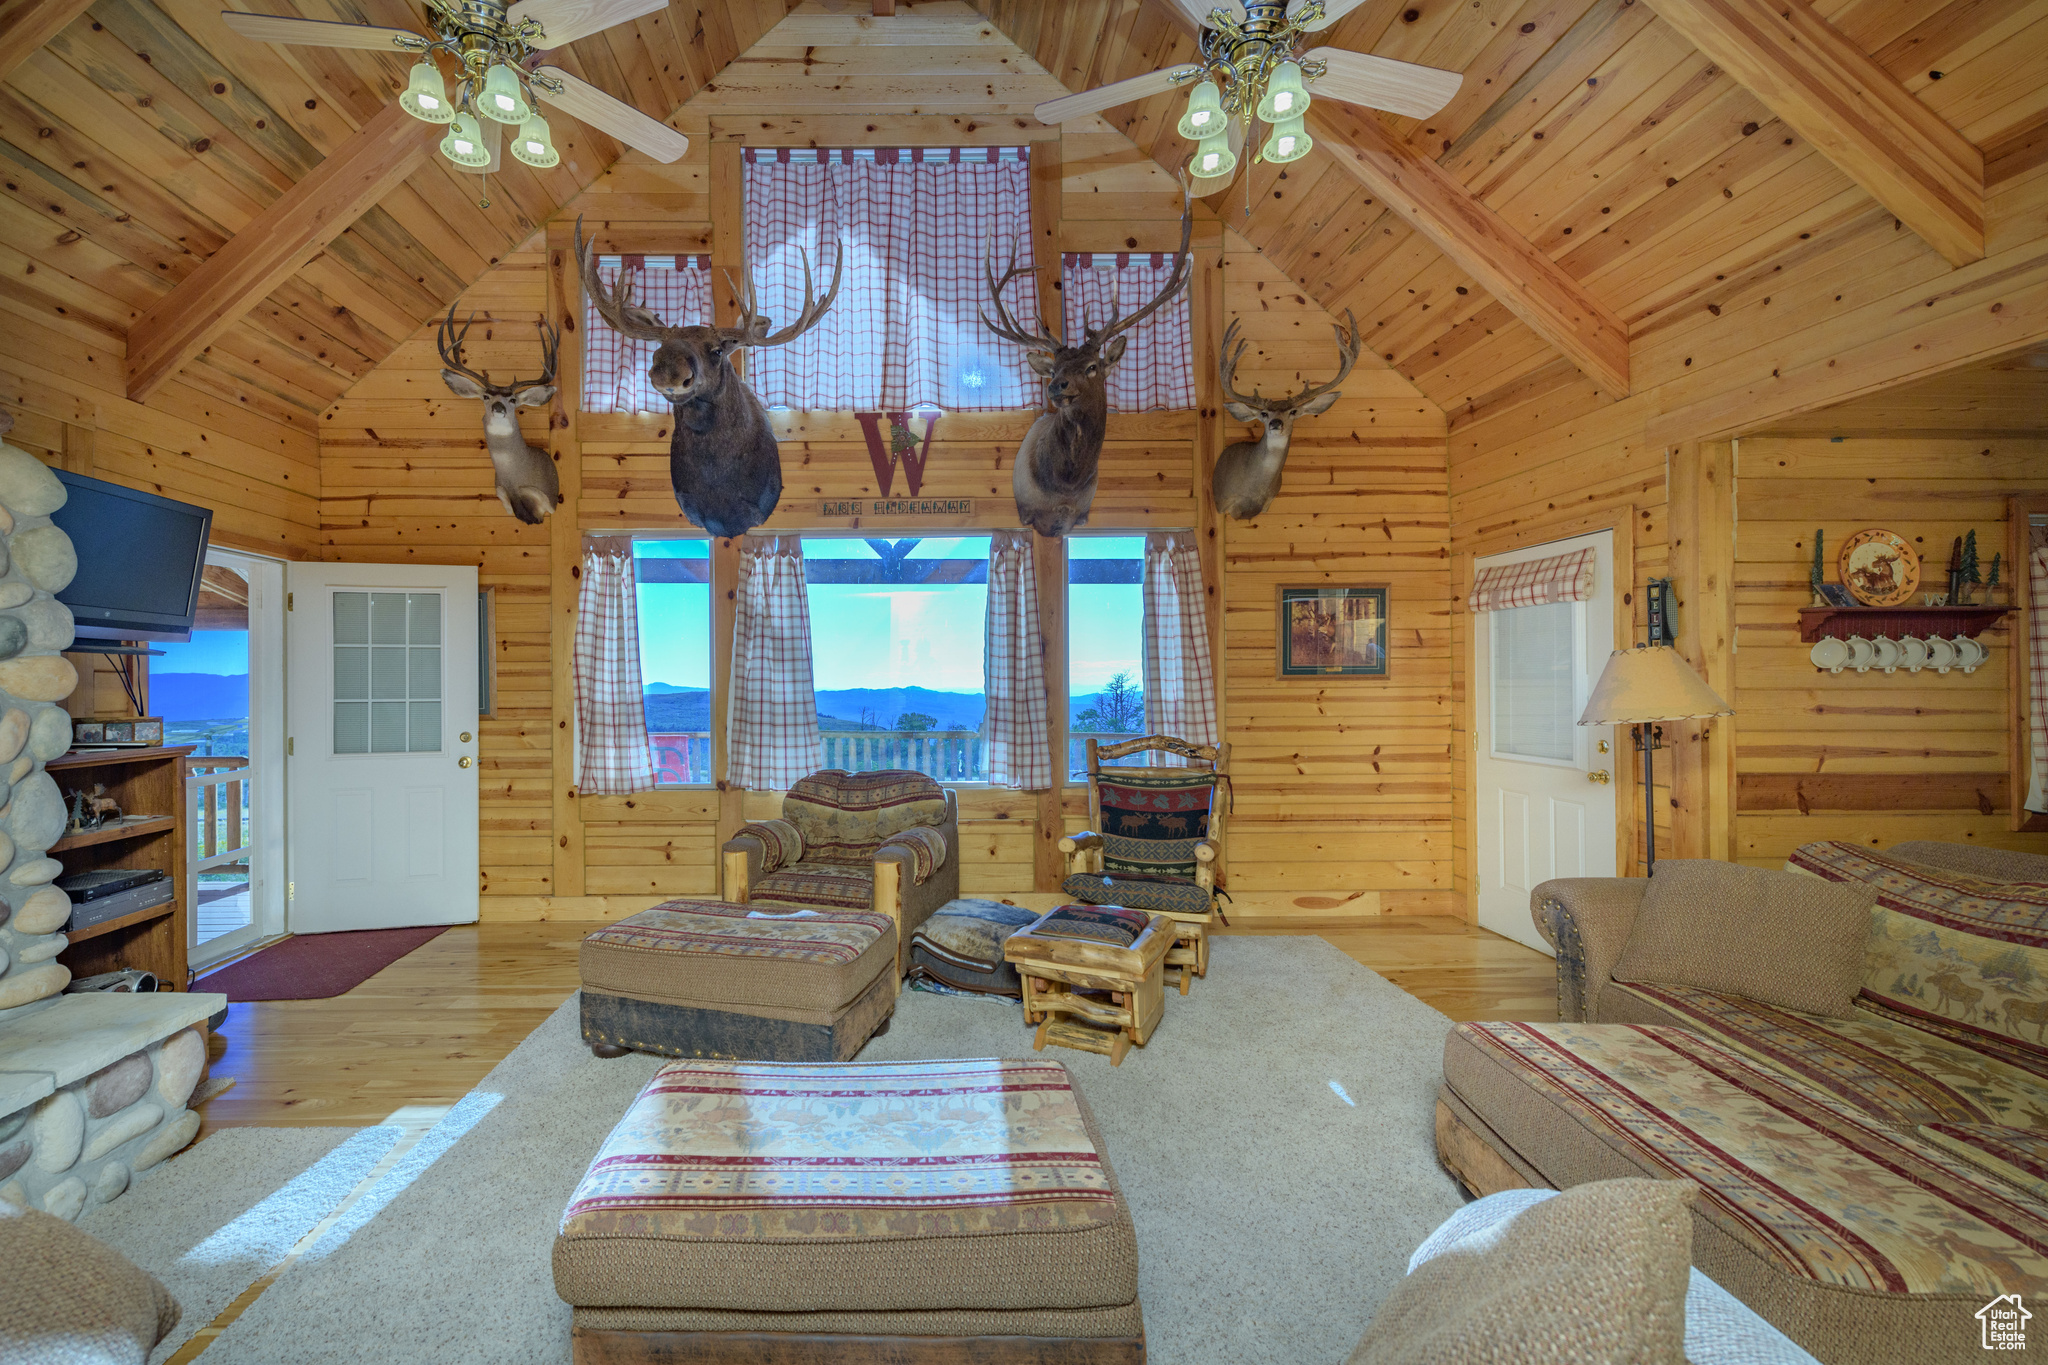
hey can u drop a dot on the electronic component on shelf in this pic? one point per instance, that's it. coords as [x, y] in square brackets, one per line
[147, 896]
[92, 886]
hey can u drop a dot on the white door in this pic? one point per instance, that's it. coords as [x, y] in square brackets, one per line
[382, 720]
[1543, 784]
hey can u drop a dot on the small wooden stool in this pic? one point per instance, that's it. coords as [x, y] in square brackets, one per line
[1103, 965]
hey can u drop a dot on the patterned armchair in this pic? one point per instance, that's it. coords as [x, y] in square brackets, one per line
[882, 841]
[1155, 841]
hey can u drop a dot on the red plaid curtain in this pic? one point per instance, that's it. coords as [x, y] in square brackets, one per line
[2037, 678]
[1180, 685]
[611, 721]
[1535, 582]
[771, 733]
[677, 289]
[1013, 664]
[1158, 368]
[904, 331]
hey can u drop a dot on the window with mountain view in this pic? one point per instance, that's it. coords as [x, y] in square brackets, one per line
[673, 593]
[1105, 643]
[897, 631]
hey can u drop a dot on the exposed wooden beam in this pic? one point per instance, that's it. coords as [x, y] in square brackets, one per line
[1830, 92]
[885, 7]
[26, 25]
[1506, 264]
[274, 246]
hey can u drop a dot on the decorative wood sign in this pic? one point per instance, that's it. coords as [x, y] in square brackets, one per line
[949, 509]
[900, 447]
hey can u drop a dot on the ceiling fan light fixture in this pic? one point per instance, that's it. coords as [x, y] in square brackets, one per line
[426, 95]
[1285, 98]
[1289, 142]
[502, 99]
[1213, 159]
[534, 146]
[464, 145]
[1204, 116]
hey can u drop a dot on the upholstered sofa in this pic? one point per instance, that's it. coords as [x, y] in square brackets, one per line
[885, 841]
[1868, 1183]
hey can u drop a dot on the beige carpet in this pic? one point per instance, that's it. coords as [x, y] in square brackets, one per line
[1274, 1140]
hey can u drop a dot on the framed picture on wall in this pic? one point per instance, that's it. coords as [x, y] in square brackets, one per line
[1326, 632]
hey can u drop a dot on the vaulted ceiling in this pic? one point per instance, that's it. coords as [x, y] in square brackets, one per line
[1594, 191]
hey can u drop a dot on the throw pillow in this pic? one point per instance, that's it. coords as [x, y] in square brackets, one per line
[1787, 940]
[71, 1296]
[1596, 1275]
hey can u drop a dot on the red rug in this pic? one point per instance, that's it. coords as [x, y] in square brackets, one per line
[315, 966]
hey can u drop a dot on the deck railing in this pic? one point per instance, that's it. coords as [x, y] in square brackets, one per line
[683, 758]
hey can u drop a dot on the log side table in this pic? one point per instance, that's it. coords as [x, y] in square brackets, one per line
[1087, 983]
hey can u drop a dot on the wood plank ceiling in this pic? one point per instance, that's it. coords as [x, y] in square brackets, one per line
[1590, 127]
[143, 135]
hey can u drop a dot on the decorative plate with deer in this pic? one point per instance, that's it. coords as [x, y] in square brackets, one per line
[1880, 568]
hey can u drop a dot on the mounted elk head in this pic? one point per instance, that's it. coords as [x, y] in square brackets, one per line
[722, 456]
[525, 475]
[1054, 477]
[1248, 472]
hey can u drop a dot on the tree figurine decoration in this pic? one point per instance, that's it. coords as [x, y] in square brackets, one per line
[1967, 575]
[1991, 576]
[1819, 575]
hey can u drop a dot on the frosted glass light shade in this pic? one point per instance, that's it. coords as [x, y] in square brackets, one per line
[502, 98]
[464, 144]
[426, 95]
[1284, 98]
[533, 145]
[1204, 115]
[1647, 684]
[1213, 159]
[1290, 142]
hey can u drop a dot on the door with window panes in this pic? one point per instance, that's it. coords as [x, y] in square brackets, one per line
[381, 769]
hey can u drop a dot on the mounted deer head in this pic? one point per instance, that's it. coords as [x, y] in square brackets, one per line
[1057, 463]
[1248, 472]
[722, 456]
[525, 475]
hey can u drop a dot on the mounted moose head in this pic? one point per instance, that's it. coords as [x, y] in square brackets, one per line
[722, 457]
[526, 475]
[1248, 472]
[1054, 478]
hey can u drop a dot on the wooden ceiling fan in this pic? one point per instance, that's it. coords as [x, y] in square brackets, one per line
[1252, 50]
[499, 79]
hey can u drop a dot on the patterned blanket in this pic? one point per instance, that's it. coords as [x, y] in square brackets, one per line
[725, 929]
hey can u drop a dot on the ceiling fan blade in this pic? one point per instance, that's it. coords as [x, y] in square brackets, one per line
[1200, 10]
[1333, 10]
[564, 21]
[272, 28]
[590, 104]
[1108, 96]
[1382, 83]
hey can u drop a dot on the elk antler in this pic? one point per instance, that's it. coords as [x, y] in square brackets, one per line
[1044, 339]
[1226, 365]
[753, 328]
[1120, 323]
[614, 303]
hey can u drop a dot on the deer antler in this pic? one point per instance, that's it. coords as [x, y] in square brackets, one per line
[614, 302]
[550, 351]
[1226, 370]
[1175, 282]
[449, 342]
[1044, 339]
[1348, 344]
[753, 328]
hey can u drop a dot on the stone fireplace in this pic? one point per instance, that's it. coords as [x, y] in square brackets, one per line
[94, 1087]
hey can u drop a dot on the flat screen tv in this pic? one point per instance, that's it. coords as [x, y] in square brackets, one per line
[139, 560]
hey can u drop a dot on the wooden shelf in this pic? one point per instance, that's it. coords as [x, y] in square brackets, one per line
[131, 827]
[1819, 623]
[92, 758]
[169, 907]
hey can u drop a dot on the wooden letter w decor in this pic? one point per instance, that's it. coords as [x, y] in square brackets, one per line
[900, 445]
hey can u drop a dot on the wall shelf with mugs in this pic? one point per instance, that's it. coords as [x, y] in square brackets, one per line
[1898, 639]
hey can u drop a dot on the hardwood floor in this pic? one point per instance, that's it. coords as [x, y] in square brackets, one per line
[424, 1030]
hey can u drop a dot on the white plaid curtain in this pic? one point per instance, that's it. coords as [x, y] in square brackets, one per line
[771, 732]
[1013, 663]
[1180, 686]
[1158, 368]
[611, 720]
[2037, 679]
[904, 330]
[1535, 582]
[678, 290]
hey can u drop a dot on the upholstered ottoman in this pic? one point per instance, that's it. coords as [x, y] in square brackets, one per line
[894, 1211]
[714, 979]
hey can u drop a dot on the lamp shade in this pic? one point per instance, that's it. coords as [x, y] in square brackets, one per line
[1214, 158]
[426, 96]
[502, 99]
[1289, 142]
[1284, 98]
[1204, 114]
[464, 145]
[533, 145]
[1647, 684]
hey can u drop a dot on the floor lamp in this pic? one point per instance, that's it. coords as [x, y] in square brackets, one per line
[1643, 688]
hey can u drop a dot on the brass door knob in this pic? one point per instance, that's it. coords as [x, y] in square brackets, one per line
[463, 762]
[1599, 775]
[465, 739]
